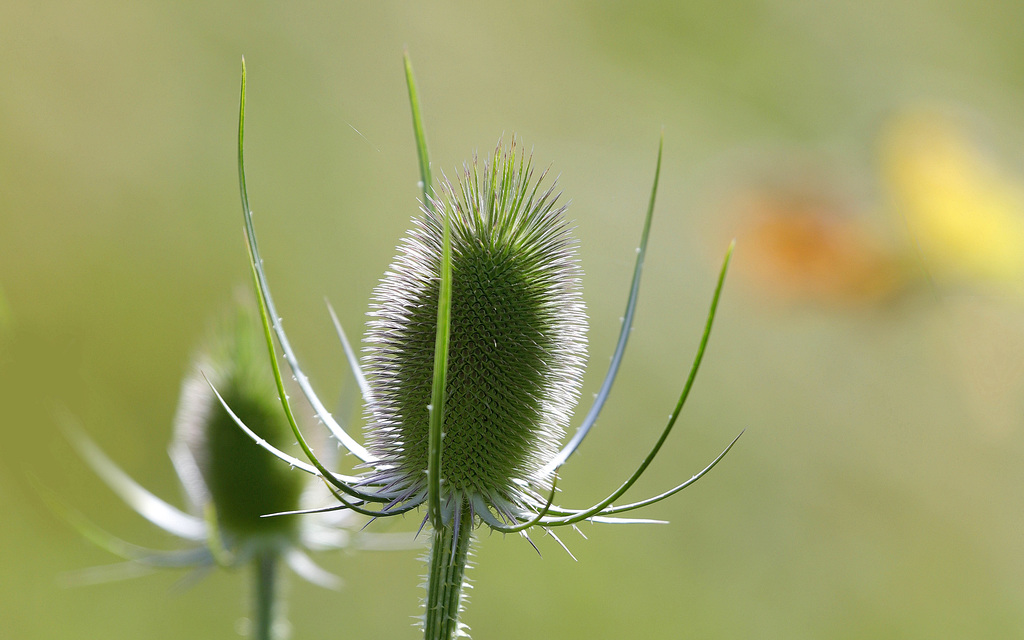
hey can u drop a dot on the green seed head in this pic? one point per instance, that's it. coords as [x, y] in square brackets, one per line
[243, 481]
[517, 344]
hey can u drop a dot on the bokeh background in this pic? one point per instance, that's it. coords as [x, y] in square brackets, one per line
[866, 155]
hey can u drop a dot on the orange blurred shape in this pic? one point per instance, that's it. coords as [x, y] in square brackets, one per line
[962, 209]
[802, 245]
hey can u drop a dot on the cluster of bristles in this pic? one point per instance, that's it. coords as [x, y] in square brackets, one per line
[517, 345]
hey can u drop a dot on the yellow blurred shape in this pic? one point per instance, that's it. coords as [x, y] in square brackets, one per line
[965, 214]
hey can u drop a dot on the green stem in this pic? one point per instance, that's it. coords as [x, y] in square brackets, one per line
[265, 608]
[449, 556]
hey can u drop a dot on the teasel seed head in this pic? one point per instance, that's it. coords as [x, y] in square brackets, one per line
[242, 481]
[517, 347]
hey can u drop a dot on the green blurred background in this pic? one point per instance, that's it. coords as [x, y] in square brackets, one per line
[878, 490]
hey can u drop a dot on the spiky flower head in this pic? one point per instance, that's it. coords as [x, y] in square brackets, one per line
[517, 344]
[242, 481]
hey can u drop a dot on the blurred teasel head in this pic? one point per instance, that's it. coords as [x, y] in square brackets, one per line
[517, 346]
[239, 479]
[231, 483]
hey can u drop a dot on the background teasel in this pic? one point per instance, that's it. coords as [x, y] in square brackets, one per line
[240, 481]
[490, 238]
[230, 482]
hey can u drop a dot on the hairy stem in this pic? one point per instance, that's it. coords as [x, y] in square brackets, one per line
[265, 607]
[449, 555]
